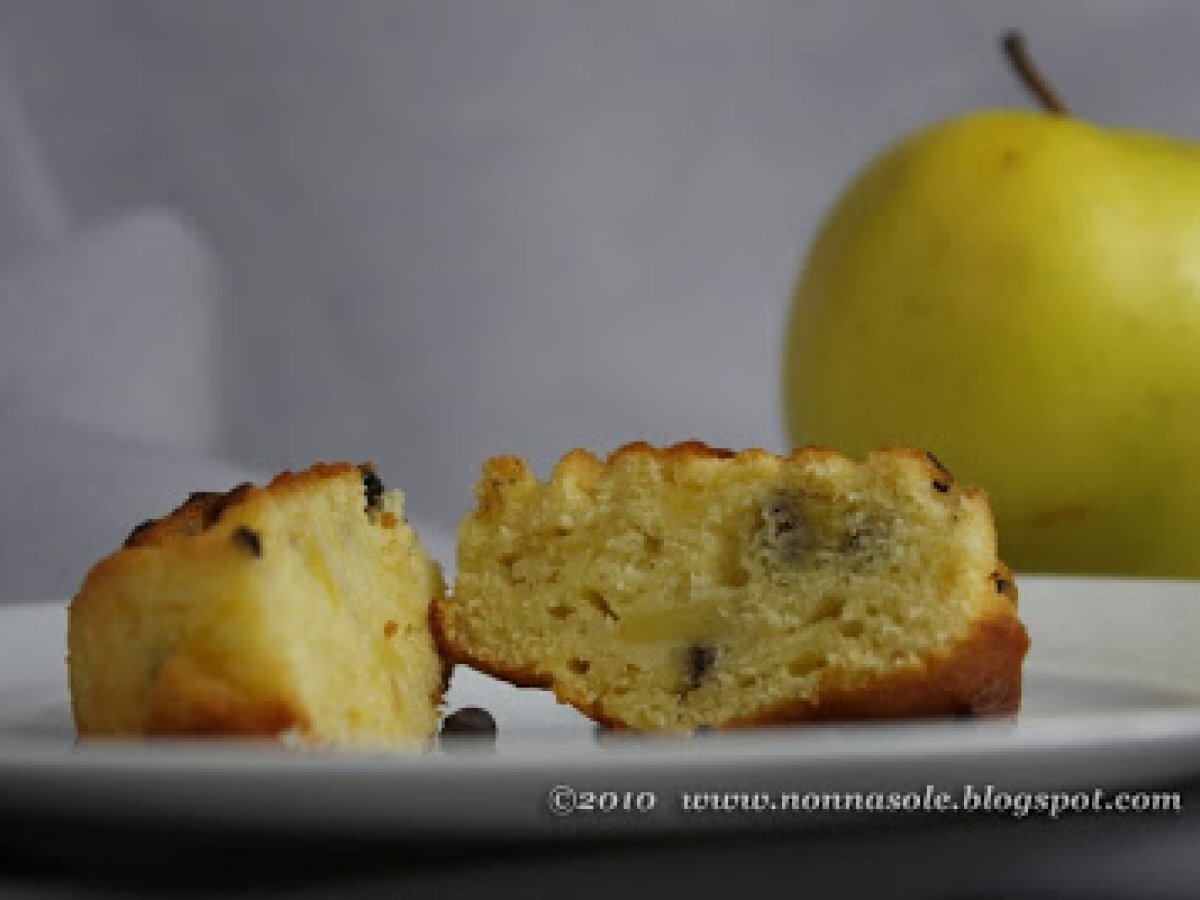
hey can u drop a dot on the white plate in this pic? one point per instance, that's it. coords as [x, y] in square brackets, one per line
[1112, 699]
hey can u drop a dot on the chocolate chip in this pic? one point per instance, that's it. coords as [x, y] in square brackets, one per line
[938, 464]
[700, 659]
[1004, 584]
[941, 485]
[470, 721]
[218, 503]
[786, 529]
[135, 536]
[785, 516]
[248, 540]
[372, 485]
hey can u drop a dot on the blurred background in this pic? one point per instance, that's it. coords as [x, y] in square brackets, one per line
[239, 235]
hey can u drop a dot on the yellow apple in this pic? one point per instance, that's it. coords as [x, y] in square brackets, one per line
[1019, 293]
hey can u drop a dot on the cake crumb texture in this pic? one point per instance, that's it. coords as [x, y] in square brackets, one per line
[675, 588]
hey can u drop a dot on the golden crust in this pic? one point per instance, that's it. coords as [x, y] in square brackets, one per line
[203, 509]
[582, 467]
[581, 464]
[692, 450]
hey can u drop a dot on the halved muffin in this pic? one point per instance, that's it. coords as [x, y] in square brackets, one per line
[685, 587]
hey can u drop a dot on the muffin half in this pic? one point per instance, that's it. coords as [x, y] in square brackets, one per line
[298, 611]
[685, 587]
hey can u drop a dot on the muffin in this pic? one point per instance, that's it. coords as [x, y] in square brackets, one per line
[687, 587]
[298, 611]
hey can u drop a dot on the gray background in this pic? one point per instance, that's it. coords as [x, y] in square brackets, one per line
[424, 233]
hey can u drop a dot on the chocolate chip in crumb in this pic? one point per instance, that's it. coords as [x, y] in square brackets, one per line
[786, 529]
[373, 486]
[470, 721]
[700, 660]
[248, 540]
[1004, 584]
[942, 487]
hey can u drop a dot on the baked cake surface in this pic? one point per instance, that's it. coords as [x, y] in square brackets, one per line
[670, 589]
[299, 610]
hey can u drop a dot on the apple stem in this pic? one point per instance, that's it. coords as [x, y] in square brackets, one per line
[1013, 45]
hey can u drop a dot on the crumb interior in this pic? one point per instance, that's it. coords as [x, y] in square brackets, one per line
[681, 594]
[355, 589]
